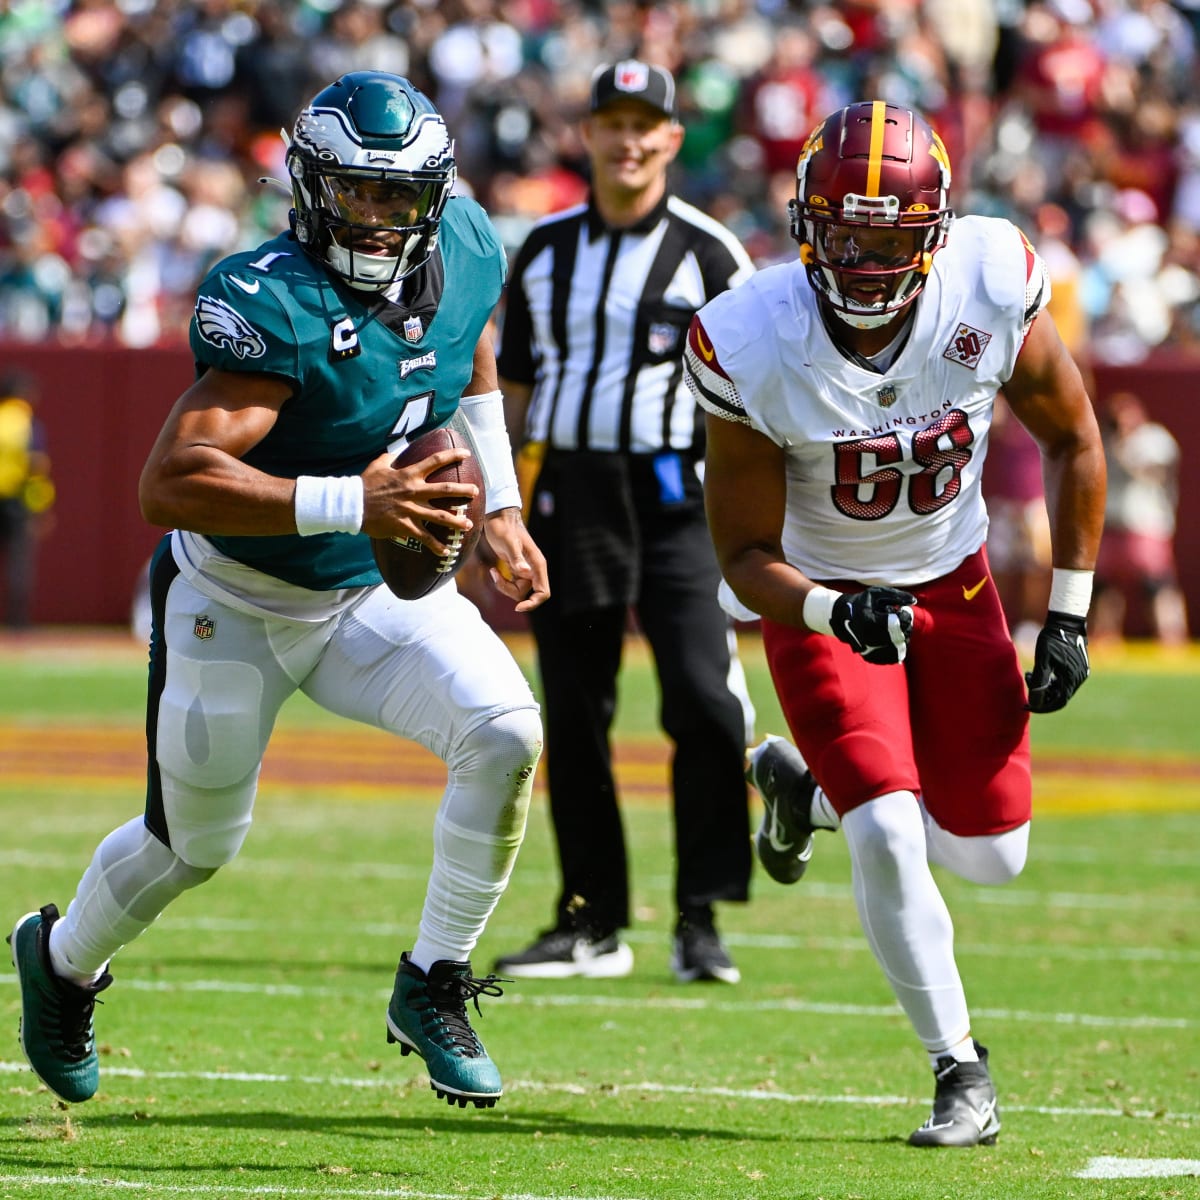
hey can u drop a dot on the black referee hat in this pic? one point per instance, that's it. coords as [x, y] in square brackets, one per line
[633, 80]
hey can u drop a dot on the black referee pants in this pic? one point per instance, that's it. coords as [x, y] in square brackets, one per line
[579, 657]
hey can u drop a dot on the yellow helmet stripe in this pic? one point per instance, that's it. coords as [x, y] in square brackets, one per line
[938, 150]
[875, 162]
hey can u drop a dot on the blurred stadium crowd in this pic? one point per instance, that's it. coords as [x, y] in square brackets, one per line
[134, 133]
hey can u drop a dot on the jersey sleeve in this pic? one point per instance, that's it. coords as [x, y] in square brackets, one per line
[1037, 283]
[714, 391]
[239, 325]
[474, 229]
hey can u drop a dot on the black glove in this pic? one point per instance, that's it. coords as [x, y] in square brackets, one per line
[876, 623]
[1060, 663]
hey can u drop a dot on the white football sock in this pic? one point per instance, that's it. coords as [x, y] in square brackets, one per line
[477, 833]
[822, 813]
[905, 918]
[132, 877]
[964, 1051]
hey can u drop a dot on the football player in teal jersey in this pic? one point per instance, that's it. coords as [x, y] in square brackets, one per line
[318, 355]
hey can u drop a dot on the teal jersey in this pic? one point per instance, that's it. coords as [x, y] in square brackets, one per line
[362, 376]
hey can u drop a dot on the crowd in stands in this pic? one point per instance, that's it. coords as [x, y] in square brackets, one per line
[134, 134]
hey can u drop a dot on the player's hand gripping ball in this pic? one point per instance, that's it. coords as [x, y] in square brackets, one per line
[410, 569]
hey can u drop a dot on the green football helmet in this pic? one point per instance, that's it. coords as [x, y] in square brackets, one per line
[371, 166]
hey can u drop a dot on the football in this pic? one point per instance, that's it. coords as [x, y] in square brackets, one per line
[409, 569]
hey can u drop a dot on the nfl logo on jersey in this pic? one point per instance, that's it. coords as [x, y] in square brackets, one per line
[662, 338]
[887, 395]
[204, 628]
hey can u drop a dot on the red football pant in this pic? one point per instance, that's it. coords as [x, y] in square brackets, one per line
[949, 723]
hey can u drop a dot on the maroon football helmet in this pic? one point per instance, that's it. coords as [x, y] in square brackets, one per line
[870, 209]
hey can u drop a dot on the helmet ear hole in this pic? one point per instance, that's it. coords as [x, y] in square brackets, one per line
[795, 220]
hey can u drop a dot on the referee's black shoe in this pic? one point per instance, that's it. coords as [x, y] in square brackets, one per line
[781, 776]
[697, 954]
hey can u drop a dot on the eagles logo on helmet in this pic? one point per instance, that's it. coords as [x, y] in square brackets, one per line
[871, 209]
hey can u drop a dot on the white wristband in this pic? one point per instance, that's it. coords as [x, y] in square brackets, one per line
[484, 416]
[329, 504]
[1070, 591]
[818, 609]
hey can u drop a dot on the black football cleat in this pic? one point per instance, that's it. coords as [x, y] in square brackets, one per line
[782, 778]
[965, 1112]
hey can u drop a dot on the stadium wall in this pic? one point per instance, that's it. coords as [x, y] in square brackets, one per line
[103, 406]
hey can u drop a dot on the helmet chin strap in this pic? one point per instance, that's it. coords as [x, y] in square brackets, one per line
[863, 320]
[856, 320]
[377, 272]
[366, 272]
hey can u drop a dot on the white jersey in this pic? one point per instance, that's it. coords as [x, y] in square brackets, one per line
[883, 469]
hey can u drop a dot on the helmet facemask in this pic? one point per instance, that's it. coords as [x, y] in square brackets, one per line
[870, 210]
[371, 166]
[378, 228]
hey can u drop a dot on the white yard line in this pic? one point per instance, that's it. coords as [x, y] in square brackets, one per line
[646, 1087]
[755, 941]
[1138, 1168]
[662, 1003]
[76, 1181]
[665, 1003]
[1007, 897]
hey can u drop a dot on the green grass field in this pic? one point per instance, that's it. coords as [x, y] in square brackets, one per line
[243, 1044]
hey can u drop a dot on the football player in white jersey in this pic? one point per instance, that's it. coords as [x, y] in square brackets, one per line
[848, 398]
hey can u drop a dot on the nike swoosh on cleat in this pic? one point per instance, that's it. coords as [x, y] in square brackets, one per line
[773, 835]
[983, 1116]
[971, 593]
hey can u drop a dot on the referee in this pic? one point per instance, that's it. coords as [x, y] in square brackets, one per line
[599, 301]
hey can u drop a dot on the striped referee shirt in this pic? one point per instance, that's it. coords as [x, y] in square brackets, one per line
[596, 320]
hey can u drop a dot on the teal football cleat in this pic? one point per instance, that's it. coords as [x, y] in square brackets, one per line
[56, 1015]
[428, 1015]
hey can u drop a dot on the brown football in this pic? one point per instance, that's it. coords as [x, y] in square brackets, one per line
[410, 569]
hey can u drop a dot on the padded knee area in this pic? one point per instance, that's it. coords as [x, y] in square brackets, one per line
[498, 757]
[886, 834]
[207, 826]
